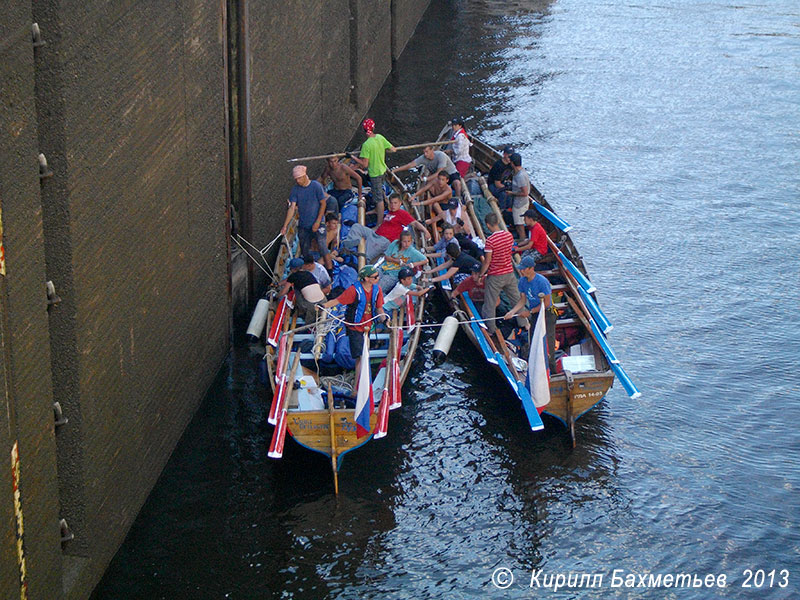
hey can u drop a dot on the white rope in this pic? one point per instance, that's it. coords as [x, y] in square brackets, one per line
[269, 274]
[266, 248]
[421, 325]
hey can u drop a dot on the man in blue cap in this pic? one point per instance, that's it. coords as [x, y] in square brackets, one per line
[530, 285]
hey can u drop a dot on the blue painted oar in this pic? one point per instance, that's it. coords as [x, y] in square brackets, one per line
[445, 283]
[530, 408]
[507, 372]
[476, 331]
[553, 218]
[580, 277]
[601, 339]
[523, 394]
[602, 321]
[471, 306]
[626, 382]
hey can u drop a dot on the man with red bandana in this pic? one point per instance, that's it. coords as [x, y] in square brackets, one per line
[373, 158]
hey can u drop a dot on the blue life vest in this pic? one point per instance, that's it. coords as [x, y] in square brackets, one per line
[355, 311]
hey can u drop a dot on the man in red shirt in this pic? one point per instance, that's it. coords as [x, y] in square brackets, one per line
[536, 243]
[364, 300]
[472, 284]
[393, 224]
[498, 271]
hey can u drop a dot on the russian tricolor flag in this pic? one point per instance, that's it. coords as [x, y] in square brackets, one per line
[538, 365]
[365, 402]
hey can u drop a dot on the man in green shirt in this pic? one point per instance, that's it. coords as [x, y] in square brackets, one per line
[373, 159]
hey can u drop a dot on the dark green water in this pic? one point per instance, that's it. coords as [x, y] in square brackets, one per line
[669, 135]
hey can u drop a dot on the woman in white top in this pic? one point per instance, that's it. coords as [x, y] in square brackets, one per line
[461, 145]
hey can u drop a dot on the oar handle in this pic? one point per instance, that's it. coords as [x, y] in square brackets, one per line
[341, 154]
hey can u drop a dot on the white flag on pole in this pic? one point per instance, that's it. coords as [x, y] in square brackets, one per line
[538, 364]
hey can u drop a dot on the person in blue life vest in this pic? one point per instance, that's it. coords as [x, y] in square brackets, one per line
[530, 285]
[364, 299]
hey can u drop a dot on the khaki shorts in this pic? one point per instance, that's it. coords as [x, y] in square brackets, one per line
[520, 206]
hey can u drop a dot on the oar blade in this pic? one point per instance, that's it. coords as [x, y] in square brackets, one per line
[553, 218]
[382, 426]
[534, 419]
[278, 437]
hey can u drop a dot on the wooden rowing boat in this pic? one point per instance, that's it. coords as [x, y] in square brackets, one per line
[331, 430]
[587, 371]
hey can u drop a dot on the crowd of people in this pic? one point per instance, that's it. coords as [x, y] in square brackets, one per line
[329, 236]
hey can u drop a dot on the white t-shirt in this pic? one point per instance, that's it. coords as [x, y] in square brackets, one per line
[395, 295]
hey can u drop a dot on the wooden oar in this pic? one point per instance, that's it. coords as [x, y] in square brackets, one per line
[281, 369]
[570, 380]
[341, 154]
[334, 452]
[382, 424]
[279, 434]
[395, 392]
[490, 351]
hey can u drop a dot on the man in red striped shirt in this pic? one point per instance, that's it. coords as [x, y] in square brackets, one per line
[499, 271]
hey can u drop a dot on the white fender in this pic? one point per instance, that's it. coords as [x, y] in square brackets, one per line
[445, 339]
[258, 320]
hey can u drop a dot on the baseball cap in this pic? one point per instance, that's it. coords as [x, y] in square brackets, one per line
[405, 272]
[367, 271]
[298, 171]
[527, 263]
[296, 263]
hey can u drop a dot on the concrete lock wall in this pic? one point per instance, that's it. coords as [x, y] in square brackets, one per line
[26, 418]
[315, 68]
[127, 102]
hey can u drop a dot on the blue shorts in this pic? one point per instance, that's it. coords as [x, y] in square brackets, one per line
[305, 236]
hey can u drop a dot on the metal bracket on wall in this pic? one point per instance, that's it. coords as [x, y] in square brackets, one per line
[59, 415]
[52, 297]
[37, 36]
[44, 170]
[66, 532]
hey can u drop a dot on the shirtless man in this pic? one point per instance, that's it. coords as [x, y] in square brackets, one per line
[440, 192]
[341, 175]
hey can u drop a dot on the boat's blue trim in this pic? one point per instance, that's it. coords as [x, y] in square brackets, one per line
[578, 416]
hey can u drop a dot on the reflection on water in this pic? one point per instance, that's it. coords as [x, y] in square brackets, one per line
[667, 133]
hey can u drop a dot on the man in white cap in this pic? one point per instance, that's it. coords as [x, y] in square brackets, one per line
[309, 200]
